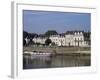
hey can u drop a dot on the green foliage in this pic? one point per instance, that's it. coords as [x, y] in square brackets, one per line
[53, 44]
[24, 42]
[87, 36]
[25, 34]
[48, 41]
[31, 42]
[50, 32]
[32, 35]
[37, 44]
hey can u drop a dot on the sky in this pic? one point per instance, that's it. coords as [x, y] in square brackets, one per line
[41, 21]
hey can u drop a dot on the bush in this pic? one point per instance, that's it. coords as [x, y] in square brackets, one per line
[48, 41]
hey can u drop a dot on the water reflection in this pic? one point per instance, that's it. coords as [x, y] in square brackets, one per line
[34, 62]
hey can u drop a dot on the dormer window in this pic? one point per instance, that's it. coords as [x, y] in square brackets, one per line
[81, 33]
[78, 33]
[75, 33]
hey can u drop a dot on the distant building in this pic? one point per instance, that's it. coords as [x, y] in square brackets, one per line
[40, 39]
[70, 38]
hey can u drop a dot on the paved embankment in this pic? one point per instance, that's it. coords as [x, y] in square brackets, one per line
[60, 50]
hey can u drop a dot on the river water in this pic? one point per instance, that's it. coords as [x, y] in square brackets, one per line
[56, 61]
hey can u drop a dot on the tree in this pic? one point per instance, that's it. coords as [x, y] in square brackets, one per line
[53, 44]
[32, 35]
[48, 41]
[37, 43]
[25, 34]
[50, 32]
[87, 36]
[31, 42]
[24, 42]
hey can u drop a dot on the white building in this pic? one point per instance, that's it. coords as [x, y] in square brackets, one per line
[40, 39]
[70, 38]
[27, 40]
[58, 39]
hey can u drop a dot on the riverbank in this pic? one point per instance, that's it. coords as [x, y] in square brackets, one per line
[59, 57]
[60, 50]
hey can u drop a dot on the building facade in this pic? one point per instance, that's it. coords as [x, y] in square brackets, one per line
[70, 38]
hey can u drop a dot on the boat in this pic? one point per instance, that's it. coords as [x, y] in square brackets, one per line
[36, 54]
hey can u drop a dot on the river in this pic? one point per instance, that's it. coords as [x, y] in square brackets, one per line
[56, 61]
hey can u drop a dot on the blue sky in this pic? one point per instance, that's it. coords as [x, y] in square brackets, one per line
[42, 21]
